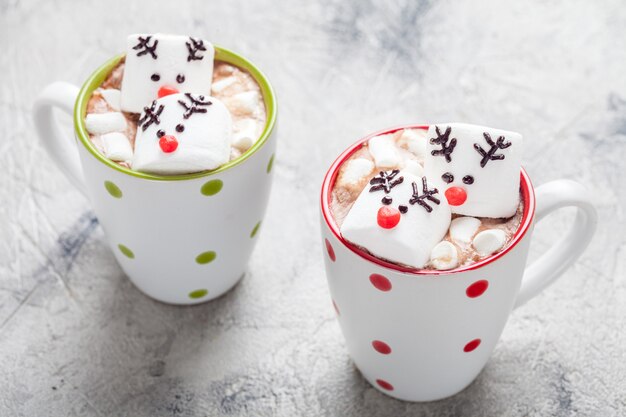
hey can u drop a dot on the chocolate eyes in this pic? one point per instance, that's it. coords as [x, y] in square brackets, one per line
[180, 78]
[180, 127]
[155, 77]
[388, 200]
[160, 133]
[447, 178]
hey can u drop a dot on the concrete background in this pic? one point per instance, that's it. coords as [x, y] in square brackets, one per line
[77, 339]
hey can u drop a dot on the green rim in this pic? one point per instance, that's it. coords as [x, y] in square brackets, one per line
[221, 54]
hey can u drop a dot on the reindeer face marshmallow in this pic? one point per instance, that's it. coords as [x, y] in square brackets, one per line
[477, 168]
[399, 217]
[182, 133]
[160, 64]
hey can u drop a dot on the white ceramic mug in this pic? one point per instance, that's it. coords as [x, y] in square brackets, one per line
[422, 335]
[181, 239]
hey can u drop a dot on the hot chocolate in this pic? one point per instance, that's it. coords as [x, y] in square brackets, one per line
[160, 65]
[437, 198]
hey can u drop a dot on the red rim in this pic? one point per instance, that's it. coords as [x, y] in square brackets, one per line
[528, 195]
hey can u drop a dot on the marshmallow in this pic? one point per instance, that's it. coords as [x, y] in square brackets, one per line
[444, 256]
[415, 141]
[244, 134]
[245, 103]
[489, 241]
[112, 97]
[101, 123]
[463, 229]
[355, 170]
[160, 60]
[478, 178]
[223, 84]
[397, 225]
[116, 147]
[203, 139]
[384, 151]
[414, 167]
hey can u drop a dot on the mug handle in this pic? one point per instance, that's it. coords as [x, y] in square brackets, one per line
[61, 149]
[545, 270]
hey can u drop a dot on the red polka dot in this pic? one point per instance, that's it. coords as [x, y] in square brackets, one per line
[336, 308]
[380, 282]
[471, 345]
[477, 289]
[330, 250]
[381, 347]
[384, 384]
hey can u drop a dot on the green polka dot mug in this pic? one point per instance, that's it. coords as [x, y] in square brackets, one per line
[423, 335]
[181, 239]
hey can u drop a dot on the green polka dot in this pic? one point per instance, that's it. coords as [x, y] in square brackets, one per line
[198, 293]
[270, 164]
[113, 189]
[212, 187]
[256, 229]
[206, 257]
[129, 253]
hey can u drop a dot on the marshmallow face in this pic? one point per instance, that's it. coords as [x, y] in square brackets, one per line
[477, 168]
[399, 217]
[173, 62]
[182, 133]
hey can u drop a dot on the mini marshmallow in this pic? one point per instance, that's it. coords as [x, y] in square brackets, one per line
[384, 151]
[244, 134]
[415, 141]
[203, 138]
[160, 60]
[414, 167]
[116, 147]
[444, 256]
[463, 229]
[477, 167]
[223, 84]
[101, 123]
[397, 225]
[489, 241]
[245, 103]
[355, 170]
[112, 97]
[234, 153]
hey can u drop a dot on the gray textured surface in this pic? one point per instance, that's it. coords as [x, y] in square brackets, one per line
[76, 338]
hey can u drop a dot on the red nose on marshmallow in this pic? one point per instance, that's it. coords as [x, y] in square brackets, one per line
[166, 90]
[168, 143]
[388, 217]
[456, 196]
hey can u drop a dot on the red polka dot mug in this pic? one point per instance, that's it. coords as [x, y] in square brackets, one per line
[181, 239]
[423, 335]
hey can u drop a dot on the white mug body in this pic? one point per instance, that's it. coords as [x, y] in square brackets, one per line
[420, 337]
[187, 241]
